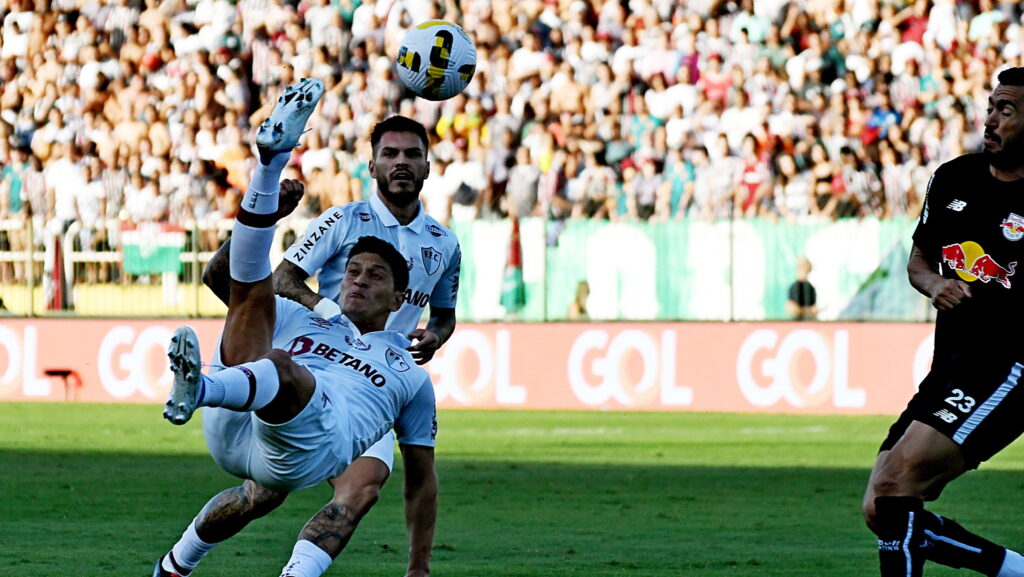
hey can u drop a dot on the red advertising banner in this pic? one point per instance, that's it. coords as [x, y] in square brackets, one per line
[813, 368]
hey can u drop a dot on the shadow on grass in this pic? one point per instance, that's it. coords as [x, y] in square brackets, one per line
[113, 514]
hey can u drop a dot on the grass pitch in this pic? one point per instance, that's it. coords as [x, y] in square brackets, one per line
[102, 490]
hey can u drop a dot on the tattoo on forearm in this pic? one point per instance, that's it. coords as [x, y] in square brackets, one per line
[296, 290]
[331, 528]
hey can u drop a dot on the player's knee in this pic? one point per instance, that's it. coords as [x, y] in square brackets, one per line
[362, 496]
[868, 510]
[360, 493]
[262, 500]
[288, 371]
[281, 359]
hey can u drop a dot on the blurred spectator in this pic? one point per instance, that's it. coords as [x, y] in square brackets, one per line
[802, 301]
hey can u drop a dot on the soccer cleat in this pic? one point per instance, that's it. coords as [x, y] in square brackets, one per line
[185, 364]
[288, 120]
[159, 571]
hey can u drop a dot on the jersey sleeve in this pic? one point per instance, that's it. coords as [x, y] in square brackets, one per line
[928, 223]
[417, 422]
[446, 291]
[290, 316]
[321, 241]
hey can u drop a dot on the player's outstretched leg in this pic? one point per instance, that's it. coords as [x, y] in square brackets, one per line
[247, 387]
[186, 364]
[281, 131]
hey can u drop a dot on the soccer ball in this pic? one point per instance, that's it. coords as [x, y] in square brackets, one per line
[437, 60]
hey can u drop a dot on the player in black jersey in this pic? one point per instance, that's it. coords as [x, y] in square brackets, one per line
[968, 246]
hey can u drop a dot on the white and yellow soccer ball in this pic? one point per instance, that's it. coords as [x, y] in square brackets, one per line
[436, 60]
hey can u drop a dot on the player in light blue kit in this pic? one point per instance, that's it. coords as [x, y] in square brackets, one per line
[300, 397]
[399, 165]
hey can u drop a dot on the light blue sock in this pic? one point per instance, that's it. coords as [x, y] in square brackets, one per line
[246, 387]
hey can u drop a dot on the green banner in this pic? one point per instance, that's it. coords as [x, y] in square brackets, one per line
[690, 270]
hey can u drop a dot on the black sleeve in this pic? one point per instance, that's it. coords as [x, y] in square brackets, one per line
[928, 223]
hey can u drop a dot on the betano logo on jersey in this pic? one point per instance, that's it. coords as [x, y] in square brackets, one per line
[306, 345]
[417, 298]
[972, 263]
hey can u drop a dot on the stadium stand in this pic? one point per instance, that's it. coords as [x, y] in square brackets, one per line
[118, 116]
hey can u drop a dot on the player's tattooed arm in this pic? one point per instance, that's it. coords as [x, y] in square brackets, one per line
[331, 528]
[290, 282]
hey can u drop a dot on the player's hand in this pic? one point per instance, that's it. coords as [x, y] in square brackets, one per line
[291, 193]
[949, 293]
[425, 344]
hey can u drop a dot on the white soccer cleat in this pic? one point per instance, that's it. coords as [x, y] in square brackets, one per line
[186, 363]
[288, 120]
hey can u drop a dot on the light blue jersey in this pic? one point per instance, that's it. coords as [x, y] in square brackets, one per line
[366, 385]
[431, 251]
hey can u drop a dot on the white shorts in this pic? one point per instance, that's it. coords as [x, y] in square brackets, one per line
[383, 450]
[314, 446]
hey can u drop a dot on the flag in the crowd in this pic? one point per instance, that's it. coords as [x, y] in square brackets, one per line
[152, 247]
[55, 282]
[513, 291]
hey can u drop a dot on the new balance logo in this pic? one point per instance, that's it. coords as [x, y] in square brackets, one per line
[945, 415]
[957, 205]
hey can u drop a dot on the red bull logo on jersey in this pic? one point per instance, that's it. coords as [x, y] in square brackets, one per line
[972, 263]
[1013, 227]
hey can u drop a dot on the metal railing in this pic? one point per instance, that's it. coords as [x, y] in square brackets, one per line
[53, 282]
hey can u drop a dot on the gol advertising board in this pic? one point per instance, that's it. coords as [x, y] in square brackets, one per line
[813, 368]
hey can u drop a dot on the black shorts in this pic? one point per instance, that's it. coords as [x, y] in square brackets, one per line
[980, 410]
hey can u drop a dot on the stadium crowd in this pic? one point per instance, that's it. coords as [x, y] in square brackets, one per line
[120, 112]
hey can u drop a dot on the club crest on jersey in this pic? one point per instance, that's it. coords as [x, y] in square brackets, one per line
[364, 216]
[395, 361]
[431, 259]
[1013, 227]
[435, 230]
[356, 344]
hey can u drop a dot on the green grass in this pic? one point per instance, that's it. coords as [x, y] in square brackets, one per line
[102, 490]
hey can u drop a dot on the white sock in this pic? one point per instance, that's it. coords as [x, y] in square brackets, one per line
[249, 260]
[246, 387]
[261, 198]
[187, 552]
[307, 560]
[1013, 565]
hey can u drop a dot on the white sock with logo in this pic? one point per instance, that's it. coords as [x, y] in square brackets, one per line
[246, 387]
[249, 260]
[307, 560]
[262, 195]
[187, 552]
[1013, 565]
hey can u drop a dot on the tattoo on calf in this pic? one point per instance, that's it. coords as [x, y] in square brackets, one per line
[331, 528]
